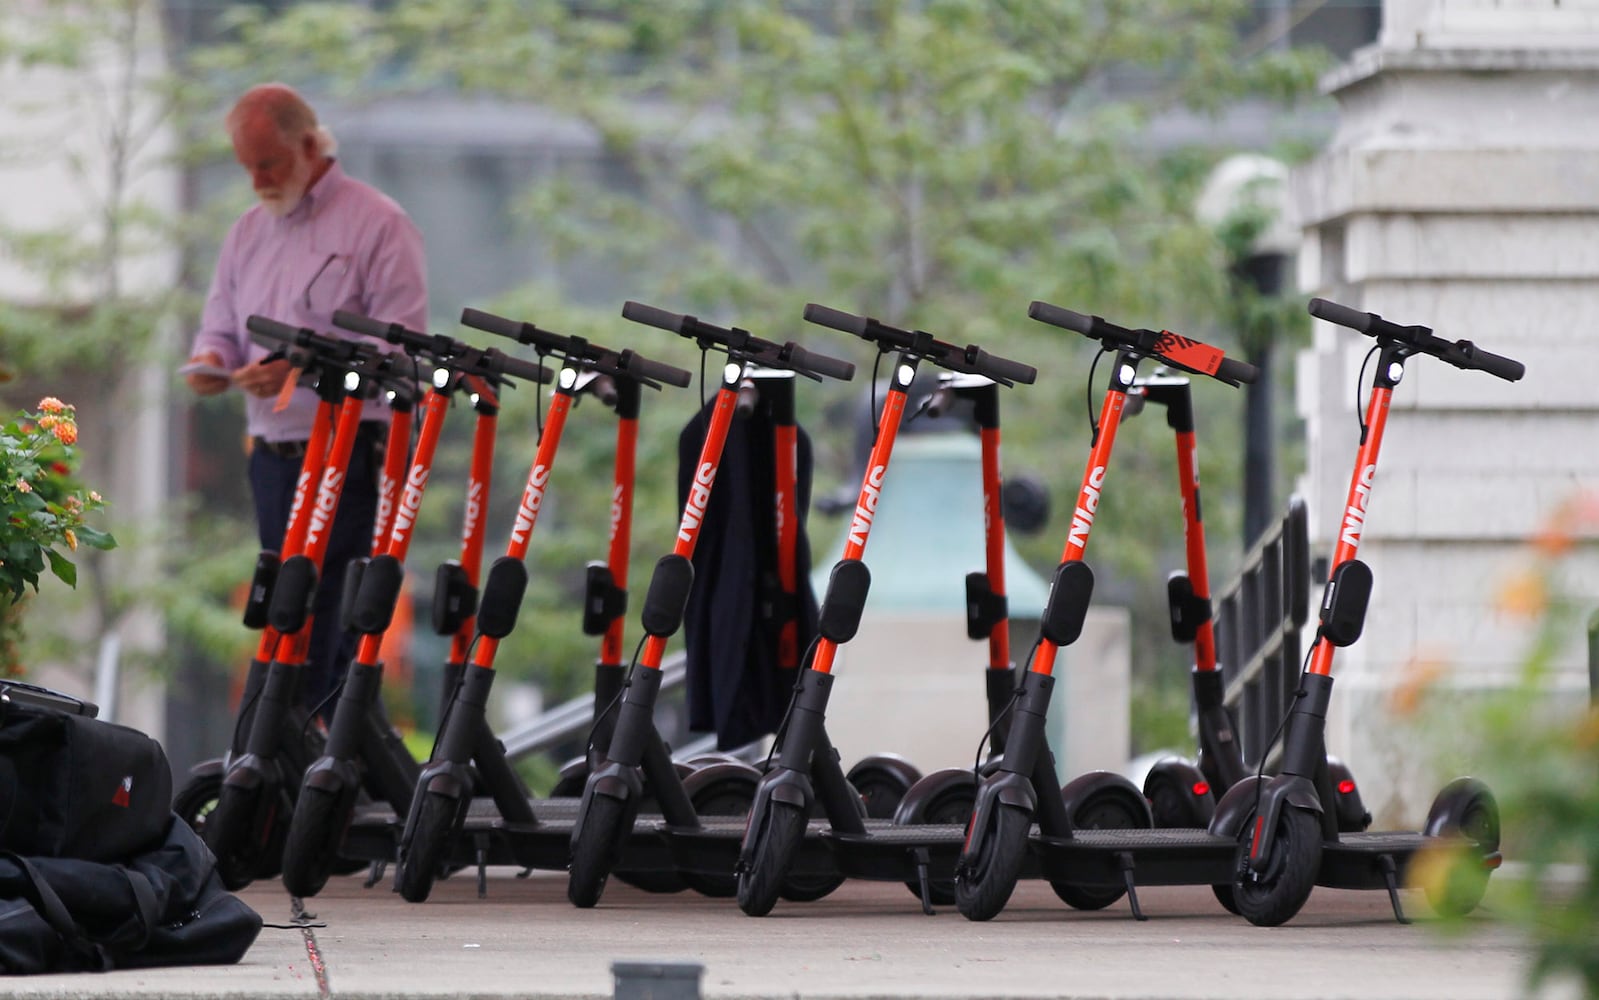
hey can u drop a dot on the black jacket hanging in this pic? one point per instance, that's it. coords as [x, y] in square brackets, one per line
[736, 610]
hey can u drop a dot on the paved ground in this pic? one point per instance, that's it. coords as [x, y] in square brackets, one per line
[866, 940]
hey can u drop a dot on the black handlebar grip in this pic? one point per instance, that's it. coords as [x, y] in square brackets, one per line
[837, 319]
[477, 319]
[363, 324]
[1494, 364]
[641, 367]
[272, 328]
[638, 312]
[821, 364]
[998, 368]
[1235, 371]
[1332, 312]
[504, 364]
[1066, 319]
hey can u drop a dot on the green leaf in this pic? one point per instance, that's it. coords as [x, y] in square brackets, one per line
[63, 568]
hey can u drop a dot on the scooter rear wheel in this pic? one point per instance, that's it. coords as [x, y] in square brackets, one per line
[197, 799]
[777, 839]
[424, 859]
[1111, 803]
[720, 789]
[882, 780]
[943, 797]
[985, 884]
[594, 854]
[307, 862]
[1465, 808]
[1288, 876]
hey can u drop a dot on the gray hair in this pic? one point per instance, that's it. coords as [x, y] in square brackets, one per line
[286, 109]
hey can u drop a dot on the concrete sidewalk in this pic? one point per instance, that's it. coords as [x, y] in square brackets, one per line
[865, 940]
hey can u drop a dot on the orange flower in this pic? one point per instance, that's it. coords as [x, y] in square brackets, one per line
[50, 404]
[66, 432]
[72, 539]
[1419, 675]
[1525, 594]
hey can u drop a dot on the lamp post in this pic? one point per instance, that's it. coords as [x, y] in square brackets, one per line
[1246, 198]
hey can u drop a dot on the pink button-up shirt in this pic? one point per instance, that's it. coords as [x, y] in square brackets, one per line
[346, 245]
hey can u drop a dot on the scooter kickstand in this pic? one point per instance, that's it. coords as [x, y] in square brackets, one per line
[922, 861]
[1124, 861]
[1390, 875]
[374, 873]
[480, 843]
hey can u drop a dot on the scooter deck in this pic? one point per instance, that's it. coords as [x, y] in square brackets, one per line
[1154, 857]
[486, 836]
[1368, 859]
[712, 847]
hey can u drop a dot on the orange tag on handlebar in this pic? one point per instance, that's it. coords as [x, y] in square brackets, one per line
[287, 392]
[1192, 354]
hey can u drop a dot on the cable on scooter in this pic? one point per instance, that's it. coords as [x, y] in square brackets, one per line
[782, 725]
[1299, 692]
[1088, 396]
[616, 699]
[1360, 380]
[1015, 694]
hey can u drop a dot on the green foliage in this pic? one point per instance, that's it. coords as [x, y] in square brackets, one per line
[1539, 756]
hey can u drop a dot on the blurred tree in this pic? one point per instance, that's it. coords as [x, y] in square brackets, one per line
[935, 163]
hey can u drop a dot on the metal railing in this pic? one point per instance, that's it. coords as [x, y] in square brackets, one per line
[1258, 620]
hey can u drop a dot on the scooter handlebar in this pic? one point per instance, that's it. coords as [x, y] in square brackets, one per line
[1234, 372]
[271, 329]
[801, 360]
[997, 368]
[500, 363]
[672, 322]
[837, 319]
[637, 366]
[1460, 353]
[1066, 319]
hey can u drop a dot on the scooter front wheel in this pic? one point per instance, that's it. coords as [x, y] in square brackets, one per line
[777, 839]
[594, 854]
[1287, 876]
[307, 859]
[984, 882]
[228, 835]
[424, 859]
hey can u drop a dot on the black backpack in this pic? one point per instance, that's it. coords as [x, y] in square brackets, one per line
[96, 872]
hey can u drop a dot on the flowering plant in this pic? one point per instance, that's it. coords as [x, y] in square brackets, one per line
[42, 506]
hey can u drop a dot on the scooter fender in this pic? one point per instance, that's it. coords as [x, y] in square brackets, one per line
[1003, 789]
[330, 774]
[214, 767]
[249, 772]
[447, 779]
[1285, 791]
[1236, 807]
[787, 785]
[616, 781]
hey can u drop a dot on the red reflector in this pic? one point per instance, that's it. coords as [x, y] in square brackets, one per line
[1201, 788]
[1346, 786]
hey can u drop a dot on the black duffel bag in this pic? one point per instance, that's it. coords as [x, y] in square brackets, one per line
[166, 906]
[72, 786]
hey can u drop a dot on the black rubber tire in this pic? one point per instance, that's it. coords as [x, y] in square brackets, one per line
[196, 799]
[1224, 896]
[951, 804]
[983, 889]
[594, 855]
[1101, 811]
[306, 861]
[429, 849]
[720, 789]
[1169, 807]
[1462, 890]
[777, 840]
[228, 835]
[882, 780]
[1290, 873]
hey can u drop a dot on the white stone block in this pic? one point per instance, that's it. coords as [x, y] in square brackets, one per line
[1484, 246]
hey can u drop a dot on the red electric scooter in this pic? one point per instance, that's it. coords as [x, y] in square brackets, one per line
[439, 818]
[807, 770]
[360, 739]
[611, 798]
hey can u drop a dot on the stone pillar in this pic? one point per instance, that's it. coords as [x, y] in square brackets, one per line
[1460, 192]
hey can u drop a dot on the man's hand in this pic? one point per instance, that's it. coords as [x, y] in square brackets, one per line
[207, 385]
[262, 378]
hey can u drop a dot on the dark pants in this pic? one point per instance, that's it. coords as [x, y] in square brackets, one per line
[272, 480]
